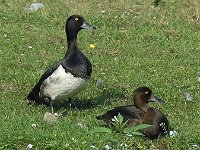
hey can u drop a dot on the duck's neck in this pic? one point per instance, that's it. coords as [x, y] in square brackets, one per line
[71, 42]
[71, 39]
[140, 104]
[145, 108]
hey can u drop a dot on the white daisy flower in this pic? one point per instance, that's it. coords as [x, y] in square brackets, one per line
[93, 147]
[187, 96]
[172, 133]
[107, 147]
[34, 125]
[29, 146]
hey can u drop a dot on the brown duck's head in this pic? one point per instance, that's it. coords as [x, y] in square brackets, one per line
[142, 96]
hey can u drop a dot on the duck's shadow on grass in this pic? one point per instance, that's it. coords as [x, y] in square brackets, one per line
[104, 97]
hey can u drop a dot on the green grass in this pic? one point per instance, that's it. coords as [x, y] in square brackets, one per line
[136, 45]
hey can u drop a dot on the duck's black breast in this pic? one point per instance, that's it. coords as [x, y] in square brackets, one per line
[78, 65]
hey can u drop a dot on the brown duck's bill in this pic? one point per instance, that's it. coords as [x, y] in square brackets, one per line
[156, 99]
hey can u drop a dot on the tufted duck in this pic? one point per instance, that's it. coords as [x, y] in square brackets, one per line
[70, 75]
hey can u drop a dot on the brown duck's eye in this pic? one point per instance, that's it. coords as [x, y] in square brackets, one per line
[76, 19]
[146, 92]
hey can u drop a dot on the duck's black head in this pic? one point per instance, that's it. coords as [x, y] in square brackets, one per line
[74, 24]
[142, 96]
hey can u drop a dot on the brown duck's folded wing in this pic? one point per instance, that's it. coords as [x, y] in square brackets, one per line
[128, 112]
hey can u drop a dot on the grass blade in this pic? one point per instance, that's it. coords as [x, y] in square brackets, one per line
[100, 130]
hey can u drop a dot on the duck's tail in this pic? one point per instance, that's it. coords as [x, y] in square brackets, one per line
[99, 117]
[34, 97]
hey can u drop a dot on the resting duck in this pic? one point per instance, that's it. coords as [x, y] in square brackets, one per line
[141, 113]
[70, 75]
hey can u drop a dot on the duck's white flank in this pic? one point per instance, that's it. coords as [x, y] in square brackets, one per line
[61, 85]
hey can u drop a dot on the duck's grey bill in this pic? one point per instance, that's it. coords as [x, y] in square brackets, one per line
[156, 99]
[87, 26]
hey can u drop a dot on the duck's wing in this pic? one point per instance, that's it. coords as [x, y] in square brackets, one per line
[34, 94]
[128, 112]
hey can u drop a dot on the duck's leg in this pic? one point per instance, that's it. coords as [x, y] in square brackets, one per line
[48, 100]
[51, 105]
[71, 103]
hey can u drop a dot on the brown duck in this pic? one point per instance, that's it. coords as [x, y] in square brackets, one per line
[141, 113]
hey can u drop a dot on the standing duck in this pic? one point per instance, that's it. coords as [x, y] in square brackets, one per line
[70, 75]
[141, 113]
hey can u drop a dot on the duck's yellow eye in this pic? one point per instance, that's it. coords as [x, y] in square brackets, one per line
[146, 92]
[76, 19]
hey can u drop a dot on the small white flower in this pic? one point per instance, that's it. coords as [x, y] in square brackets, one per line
[129, 135]
[195, 146]
[115, 119]
[124, 145]
[56, 114]
[172, 133]
[93, 147]
[155, 70]
[81, 125]
[34, 125]
[5, 35]
[187, 96]
[103, 11]
[30, 47]
[137, 13]
[73, 139]
[107, 147]
[29, 146]
[198, 79]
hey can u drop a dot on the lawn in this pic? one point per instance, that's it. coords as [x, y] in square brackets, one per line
[136, 44]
